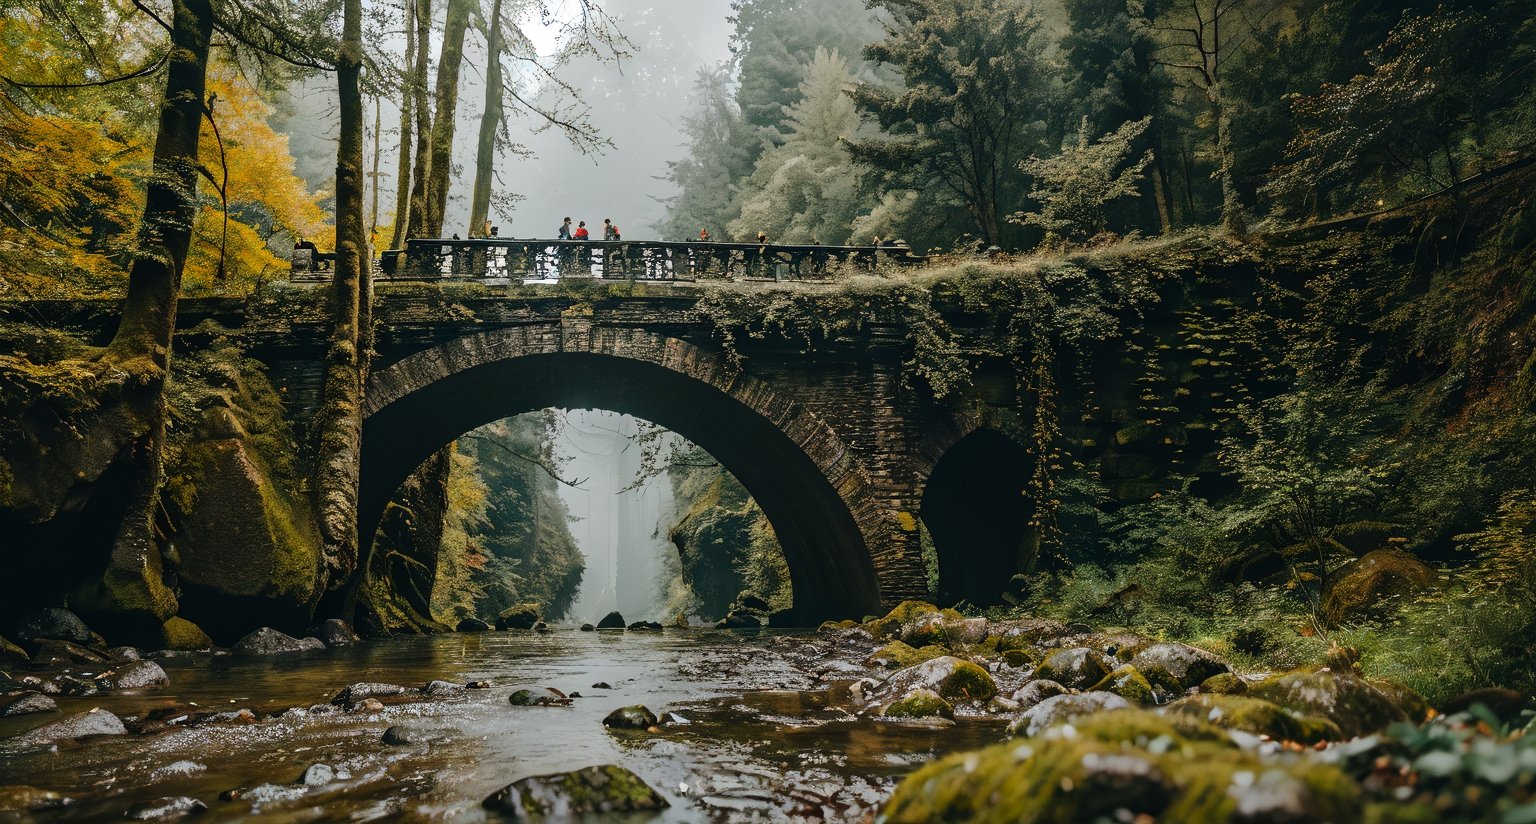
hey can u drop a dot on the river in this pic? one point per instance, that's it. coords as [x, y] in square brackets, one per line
[769, 732]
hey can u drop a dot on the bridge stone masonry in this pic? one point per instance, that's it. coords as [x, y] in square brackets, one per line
[833, 444]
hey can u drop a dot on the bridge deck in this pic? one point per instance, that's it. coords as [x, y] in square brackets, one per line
[533, 259]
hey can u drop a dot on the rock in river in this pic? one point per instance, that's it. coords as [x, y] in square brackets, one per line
[612, 620]
[521, 616]
[26, 703]
[317, 775]
[472, 625]
[357, 692]
[1076, 668]
[138, 675]
[398, 736]
[1177, 667]
[94, 722]
[334, 632]
[267, 641]
[636, 717]
[20, 798]
[53, 623]
[538, 697]
[601, 790]
[1059, 709]
[952, 678]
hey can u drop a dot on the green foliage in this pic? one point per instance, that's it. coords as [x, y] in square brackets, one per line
[1075, 188]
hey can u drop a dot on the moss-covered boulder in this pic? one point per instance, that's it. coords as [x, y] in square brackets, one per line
[903, 613]
[1177, 667]
[178, 633]
[1077, 668]
[1036, 691]
[1413, 705]
[952, 678]
[919, 703]
[1361, 588]
[1345, 699]
[247, 555]
[1060, 709]
[1107, 771]
[1257, 716]
[518, 616]
[944, 628]
[1226, 683]
[589, 791]
[898, 654]
[1361, 537]
[1024, 633]
[1019, 658]
[1127, 683]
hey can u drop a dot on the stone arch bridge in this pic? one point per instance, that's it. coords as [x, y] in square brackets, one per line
[842, 456]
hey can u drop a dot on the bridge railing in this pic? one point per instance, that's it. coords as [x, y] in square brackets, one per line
[514, 259]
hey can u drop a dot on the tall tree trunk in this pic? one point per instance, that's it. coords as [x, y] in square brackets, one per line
[132, 588]
[1233, 216]
[407, 113]
[373, 177]
[416, 209]
[490, 122]
[449, 62]
[339, 421]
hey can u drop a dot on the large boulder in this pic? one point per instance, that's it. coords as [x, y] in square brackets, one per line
[1036, 691]
[1127, 683]
[613, 620]
[1177, 667]
[334, 632]
[248, 556]
[1360, 588]
[1059, 709]
[52, 623]
[94, 722]
[636, 717]
[268, 641]
[1076, 668]
[919, 703]
[472, 625]
[589, 791]
[520, 616]
[137, 675]
[177, 633]
[26, 703]
[952, 678]
[1258, 717]
[1357, 707]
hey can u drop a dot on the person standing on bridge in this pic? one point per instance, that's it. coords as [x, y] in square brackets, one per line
[581, 231]
[565, 230]
[704, 235]
[610, 231]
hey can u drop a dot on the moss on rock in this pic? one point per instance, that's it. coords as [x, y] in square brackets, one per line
[902, 613]
[1357, 707]
[968, 682]
[1127, 683]
[919, 703]
[897, 655]
[1076, 668]
[1259, 717]
[1360, 588]
[1124, 764]
[180, 634]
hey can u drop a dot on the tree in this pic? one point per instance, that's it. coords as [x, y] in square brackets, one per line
[1113, 74]
[808, 188]
[412, 92]
[775, 39]
[979, 94]
[1199, 38]
[1075, 187]
[715, 159]
[1413, 119]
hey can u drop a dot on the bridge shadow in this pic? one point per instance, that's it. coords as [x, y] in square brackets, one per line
[801, 475]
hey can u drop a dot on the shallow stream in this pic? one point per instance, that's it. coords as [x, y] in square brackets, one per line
[770, 735]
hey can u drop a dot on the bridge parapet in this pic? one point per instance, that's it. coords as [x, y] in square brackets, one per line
[533, 259]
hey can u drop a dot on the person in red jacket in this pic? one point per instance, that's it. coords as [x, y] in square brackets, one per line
[581, 230]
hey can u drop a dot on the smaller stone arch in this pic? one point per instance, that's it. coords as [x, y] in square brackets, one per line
[977, 509]
[832, 526]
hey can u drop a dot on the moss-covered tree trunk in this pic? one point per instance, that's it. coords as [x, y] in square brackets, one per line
[339, 422]
[416, 205]
[490, 123]
[449, 62]
[132, 588]
[407, 120]
[1233, 217]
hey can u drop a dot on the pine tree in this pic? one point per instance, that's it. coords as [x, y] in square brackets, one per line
[1075, 188]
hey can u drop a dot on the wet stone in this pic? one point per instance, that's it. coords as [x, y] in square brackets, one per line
[268, 641]
[473, 625]
[55, 653]
[538, 697]
[94, 722]
[739, 620]
[443, 689]
[398, 736]
[311, 645]
[1076, 668]
[605, 789]
[26, 703]
[334, 632]
[359, 691]
[645, 626]
[52, 623]
[77, 687]
[1063, 708]
[367, 705]
[588, 628]
[602, 685]
[612, 620]
[317, 775]
[478, 685]
[635, 717]
[165, 809]
[137, 675]
[126, 653]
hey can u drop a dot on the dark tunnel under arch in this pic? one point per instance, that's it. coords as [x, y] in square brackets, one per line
[424, 402]
[977, 512]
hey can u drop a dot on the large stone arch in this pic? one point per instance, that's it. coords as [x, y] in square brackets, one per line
[834, 531]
